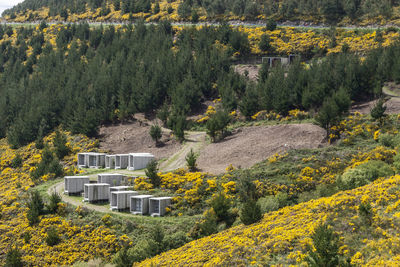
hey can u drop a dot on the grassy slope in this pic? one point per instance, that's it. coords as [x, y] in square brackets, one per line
[281, 237]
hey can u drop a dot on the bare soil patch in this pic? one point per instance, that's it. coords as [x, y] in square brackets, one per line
[392, 92]
[251, 69]
[247, 146]
[134, 137]
[392, 106]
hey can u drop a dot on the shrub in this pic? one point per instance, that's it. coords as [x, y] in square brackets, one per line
[326, 244]
[48, 164]
[33, 216]
[365, 212]
[14, 258]
[271, 25]
[151, 172]
[122, 258]
[216, 125]
[265, 43]
[142, 250]
[328, 115]
[378, 111]
[157, 235]
[155, 133]
[191, 159]
[16, 162]
[268, 203]
[363, 174]
[54, 199]
[246, 187]
[39, 144]
[163, 114]
[27, 237]
[221, 206]
[52, 237]
[387, 140]
[195, 16]
[177, 122]
[209, 225]
[60, 147]
[396, 162]
[284, 200]
[176, 240]
[251, 212]
[35, 207]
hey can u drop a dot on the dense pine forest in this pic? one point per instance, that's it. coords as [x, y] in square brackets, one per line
[84, 77]
[327, 11]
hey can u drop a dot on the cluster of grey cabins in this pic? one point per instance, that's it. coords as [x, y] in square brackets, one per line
[109, 188]
[131, 161]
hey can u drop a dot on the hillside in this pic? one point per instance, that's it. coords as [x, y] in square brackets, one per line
[86, 73]
[251, 162]
[322, 11]
[282, 236]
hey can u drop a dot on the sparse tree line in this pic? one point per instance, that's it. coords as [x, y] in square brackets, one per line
[328, 10]
[102, 75]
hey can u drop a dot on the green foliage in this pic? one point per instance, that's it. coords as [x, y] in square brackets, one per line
[48, 164]
[163, 113]
[378, 111]
[265, 43]
[271, 25]
[246, 188]
[60, 148]
[191, 158]
[35, 207]
[388, 140]
[27, 237]
[14, 258]
[177, 122]
[327, 115]
[16, 162]
[250, 212]
[152, 172]
[268, 203]
[221, 205]
[363, 174]
[326, 244]
[155, 133]
[54, 199]
[142, 250]
[209, 225]
[122, 258]
[157, 235]
[175, 240]
[52, 237]
[365, 212]
[217, 123]
[195, 16]
[396, 162]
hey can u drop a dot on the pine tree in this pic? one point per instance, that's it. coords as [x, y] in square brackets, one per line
[151, 172]
[326, 243]
[327, 115]
[155, 133]
[250, 212]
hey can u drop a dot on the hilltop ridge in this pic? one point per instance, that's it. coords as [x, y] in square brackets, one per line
[323, 11]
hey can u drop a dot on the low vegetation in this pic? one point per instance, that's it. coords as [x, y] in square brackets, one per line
[330, 12]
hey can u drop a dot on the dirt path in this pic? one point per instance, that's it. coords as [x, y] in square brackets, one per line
[195, 141]
[392, 92]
